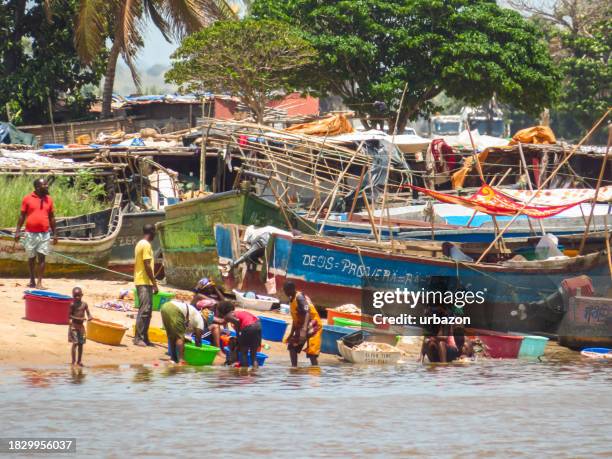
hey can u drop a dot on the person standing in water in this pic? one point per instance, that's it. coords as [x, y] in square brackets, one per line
[307, 327]
[146, 285]
[37, 213]
[76, 329]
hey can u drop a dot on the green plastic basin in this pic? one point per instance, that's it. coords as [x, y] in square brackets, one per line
[159, 298]
[342, 322]
[199, 356]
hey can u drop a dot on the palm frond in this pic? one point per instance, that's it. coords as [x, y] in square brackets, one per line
[187, 16]
[129, 61]
[154, 10]
[126, 30]
[90, 33]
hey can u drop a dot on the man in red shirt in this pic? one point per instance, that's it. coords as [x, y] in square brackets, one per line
[37, 213]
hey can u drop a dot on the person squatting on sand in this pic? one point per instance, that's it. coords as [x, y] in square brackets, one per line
[306, 328]
[179, 319]
[76, 328]
[146, 285]
[37, 213]
[248, 331]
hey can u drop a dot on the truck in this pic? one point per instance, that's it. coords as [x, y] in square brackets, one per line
[488, 119]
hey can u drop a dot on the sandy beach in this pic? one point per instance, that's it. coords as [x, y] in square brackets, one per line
[31, 344]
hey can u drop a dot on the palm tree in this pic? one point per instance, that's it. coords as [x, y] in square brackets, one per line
[123, 21]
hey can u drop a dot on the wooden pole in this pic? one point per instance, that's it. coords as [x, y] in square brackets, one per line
[357, 193]
[529, 184]
[608, 245]
[333, 195]
[478, 165]
[384, 200]
[370, 216]
[51, 119]
[594, 202]
[552, 175]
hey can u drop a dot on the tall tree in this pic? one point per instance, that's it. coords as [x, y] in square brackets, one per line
[580, 39]
[255, 60]
[38, 62]
[124, 21]
[370, 50]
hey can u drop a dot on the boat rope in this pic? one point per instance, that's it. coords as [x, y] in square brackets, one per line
[77, 260]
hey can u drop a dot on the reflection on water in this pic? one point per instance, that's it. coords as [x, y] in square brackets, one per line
[489, 408]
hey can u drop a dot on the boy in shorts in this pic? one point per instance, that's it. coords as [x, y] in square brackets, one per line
[76, 329]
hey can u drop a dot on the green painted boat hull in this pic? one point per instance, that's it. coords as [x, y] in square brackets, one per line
[187, 234]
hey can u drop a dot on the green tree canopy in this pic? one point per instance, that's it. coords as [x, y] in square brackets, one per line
[470, 49]
[254, 60]
[580, 39]
[39, 61]
[587, 88]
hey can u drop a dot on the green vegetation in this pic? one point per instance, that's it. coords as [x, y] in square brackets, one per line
[71, 196]
[123, 22]
[38, 61]
[251, 59]
[370, 50]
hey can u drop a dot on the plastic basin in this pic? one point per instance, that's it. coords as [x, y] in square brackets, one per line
[273, 329]
[331, 334]
[159, 298]
[342, 322]
[105, 332]
[260, 357]
[332, 315]
[502, 346]
[532, 346]
[200, 356]
[47, 307]
[156, 335]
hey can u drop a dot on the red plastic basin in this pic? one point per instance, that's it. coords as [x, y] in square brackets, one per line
[502, 346]
[47, 310]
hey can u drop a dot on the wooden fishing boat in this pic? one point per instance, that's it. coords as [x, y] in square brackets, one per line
[85, 243]
[587, 323]
[334, 271]
[122, 253]
[187, 233]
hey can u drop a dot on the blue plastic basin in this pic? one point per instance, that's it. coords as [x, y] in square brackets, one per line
[598, 350]
[331, 334]
[273, 329]
[48, 294]
[261, 357]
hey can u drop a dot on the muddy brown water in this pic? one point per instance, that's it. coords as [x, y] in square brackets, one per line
[558, 407]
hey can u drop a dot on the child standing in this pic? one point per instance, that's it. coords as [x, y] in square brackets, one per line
[76, 329]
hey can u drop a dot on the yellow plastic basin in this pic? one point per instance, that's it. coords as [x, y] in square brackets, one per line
[105, 332]
[156, 335]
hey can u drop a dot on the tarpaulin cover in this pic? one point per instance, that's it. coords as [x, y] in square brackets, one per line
[9, 134]
[334, 125]
[560, 196]
[534, 134]
[490, 201]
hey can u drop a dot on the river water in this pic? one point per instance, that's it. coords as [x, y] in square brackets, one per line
[561, 406]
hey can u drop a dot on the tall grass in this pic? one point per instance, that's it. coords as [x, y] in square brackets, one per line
[71, 196]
